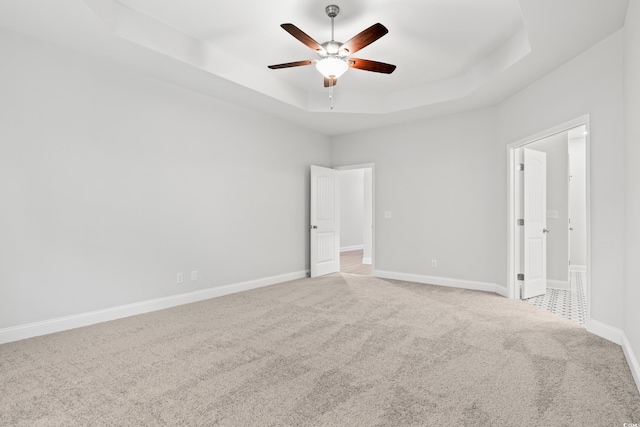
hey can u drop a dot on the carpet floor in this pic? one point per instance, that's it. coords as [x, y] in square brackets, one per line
[339, 350]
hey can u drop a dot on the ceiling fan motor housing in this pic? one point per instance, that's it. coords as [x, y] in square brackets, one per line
[331, 48]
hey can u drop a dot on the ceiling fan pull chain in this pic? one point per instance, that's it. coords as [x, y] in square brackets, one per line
[331, 95]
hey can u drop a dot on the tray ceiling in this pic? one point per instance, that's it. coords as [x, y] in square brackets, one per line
[451, 55]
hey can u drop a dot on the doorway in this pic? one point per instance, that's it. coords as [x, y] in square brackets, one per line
[356, 219]
[566, 221]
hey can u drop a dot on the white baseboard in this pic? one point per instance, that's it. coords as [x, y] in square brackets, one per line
[578, 268]
[442, 281]
[559, 284]
[632, 361]
[617, 336]
[501, 290]
[35, 329]
[367, 261]
[605, 331]
[351, 248]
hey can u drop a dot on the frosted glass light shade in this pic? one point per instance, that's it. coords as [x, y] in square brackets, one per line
[332, 67]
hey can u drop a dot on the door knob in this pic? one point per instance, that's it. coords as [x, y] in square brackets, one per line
[545, 230]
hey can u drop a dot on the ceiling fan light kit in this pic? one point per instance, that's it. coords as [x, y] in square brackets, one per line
[334, 56]
[332, 67]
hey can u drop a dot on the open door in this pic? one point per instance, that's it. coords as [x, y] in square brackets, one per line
[325, 221]
[535, 224]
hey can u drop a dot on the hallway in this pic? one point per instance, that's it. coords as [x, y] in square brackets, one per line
[351, 262]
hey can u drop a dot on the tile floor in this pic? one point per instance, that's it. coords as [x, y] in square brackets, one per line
[569, 304]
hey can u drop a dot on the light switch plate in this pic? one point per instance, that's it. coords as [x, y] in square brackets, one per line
[552, 214]
[387, 214]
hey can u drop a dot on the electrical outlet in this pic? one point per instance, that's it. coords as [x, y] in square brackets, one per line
[434, 263]
[180, 278]
[194, 275]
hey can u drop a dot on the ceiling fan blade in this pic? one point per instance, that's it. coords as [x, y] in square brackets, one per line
[330, 82]
[375, 66]
[302, 36]
[291, 64]
[365, 38]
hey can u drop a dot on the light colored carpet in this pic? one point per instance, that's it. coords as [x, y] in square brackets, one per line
[340, 350]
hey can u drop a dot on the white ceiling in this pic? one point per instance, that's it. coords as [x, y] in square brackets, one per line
[451, 55]
[446, 39]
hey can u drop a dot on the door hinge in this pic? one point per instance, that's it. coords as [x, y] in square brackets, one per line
[520, 166]
[521, 222]
[520, 276]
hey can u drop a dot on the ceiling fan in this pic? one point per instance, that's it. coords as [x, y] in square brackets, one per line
[335, 56]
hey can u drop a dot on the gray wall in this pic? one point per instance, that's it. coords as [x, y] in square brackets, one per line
[590, 84]
[112, 182]
[445, 179]
[438, 179]
[578, 200]
[632, 194]
[351, 207]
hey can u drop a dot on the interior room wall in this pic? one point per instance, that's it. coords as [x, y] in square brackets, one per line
[578, 199]
[444, 180]
[437, 178]
[112, 182]
[590, 84]
[556, 148]
[351, 209]
[632, 193]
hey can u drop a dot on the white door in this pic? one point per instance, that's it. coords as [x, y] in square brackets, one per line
[535, 224]
[324, 221]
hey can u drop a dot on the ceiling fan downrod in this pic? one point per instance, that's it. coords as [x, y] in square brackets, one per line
[332, 11]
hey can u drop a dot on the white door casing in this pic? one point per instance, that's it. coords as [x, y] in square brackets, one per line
[569, 214]
[324, 221]
[535, 223]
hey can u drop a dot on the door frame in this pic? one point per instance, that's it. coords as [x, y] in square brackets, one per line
[371, 166]
[512, 285]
